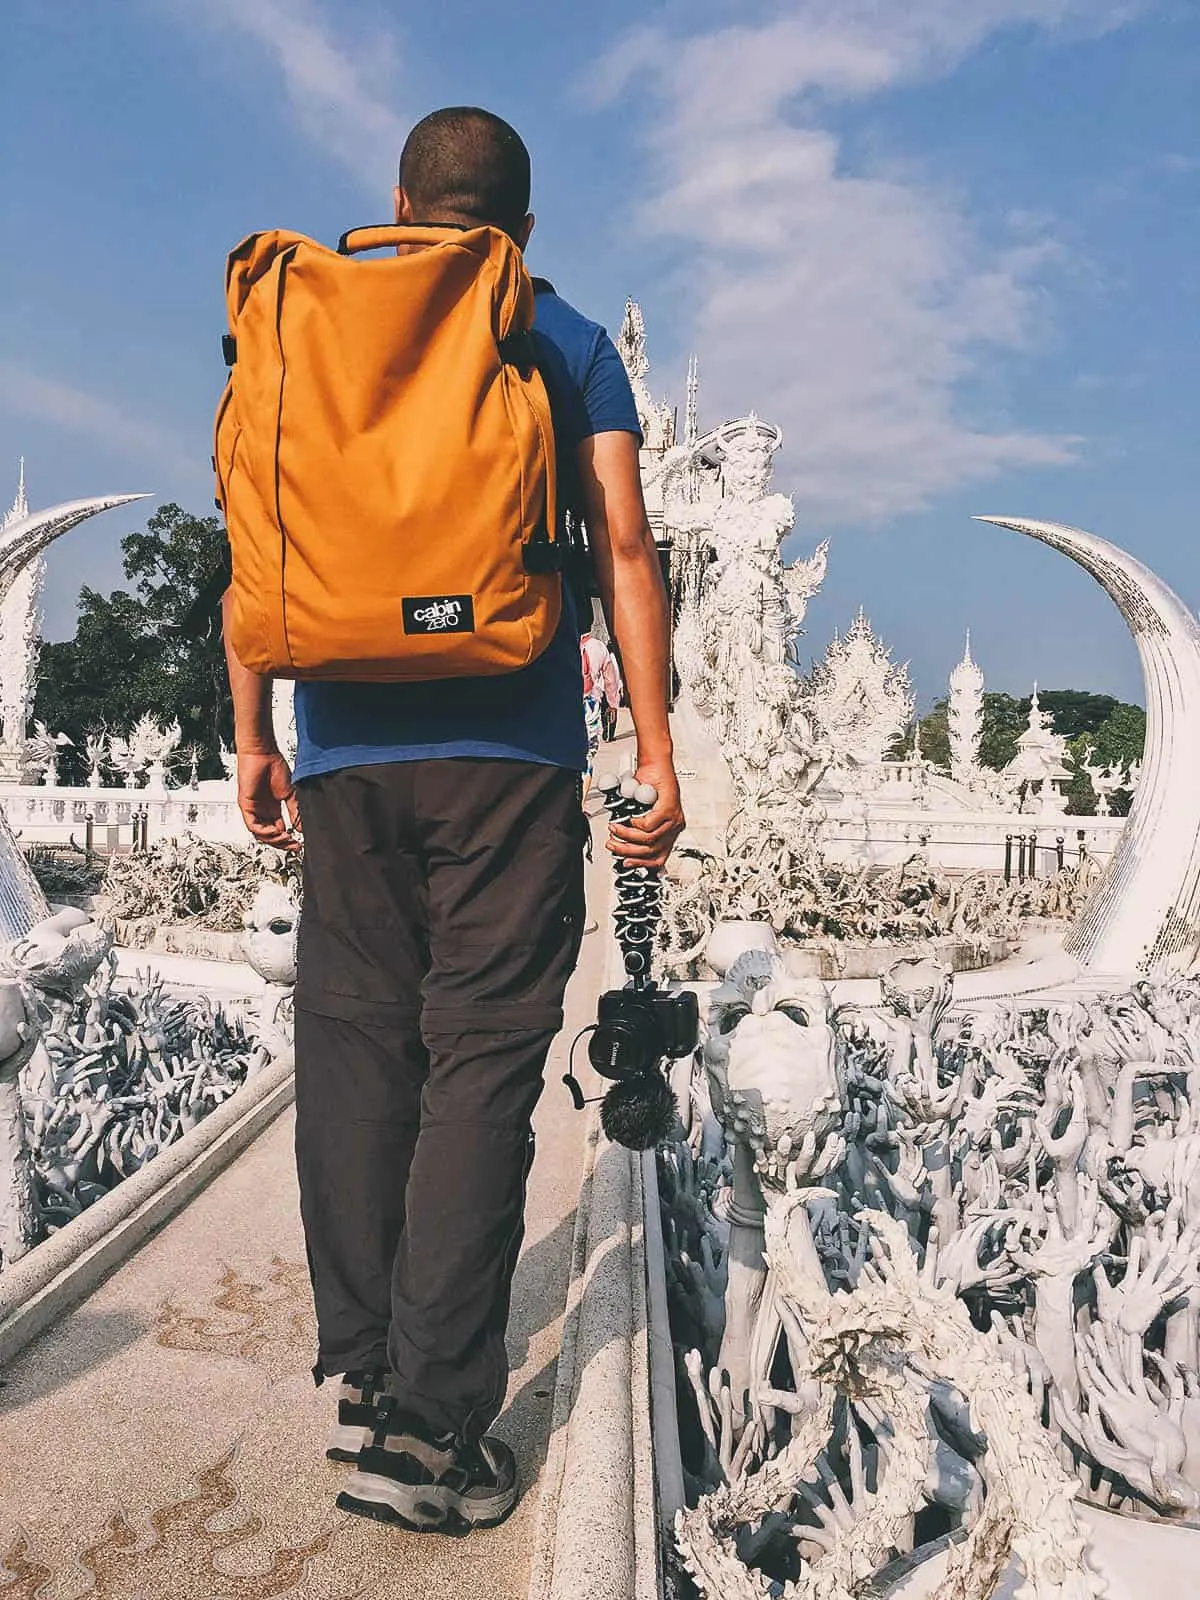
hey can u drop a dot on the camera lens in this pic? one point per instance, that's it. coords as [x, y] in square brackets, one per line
[621, 1048]
[637, 962]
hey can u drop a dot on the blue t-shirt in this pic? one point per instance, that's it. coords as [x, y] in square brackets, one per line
[535, 714]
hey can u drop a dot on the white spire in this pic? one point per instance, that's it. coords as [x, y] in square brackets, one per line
[966, 676]
[692, 425]
[965, 717]
[20, 506]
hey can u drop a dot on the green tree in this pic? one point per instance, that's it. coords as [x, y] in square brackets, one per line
[130, 654]
[1075, 711]
[1118, 741]
[1004, 721]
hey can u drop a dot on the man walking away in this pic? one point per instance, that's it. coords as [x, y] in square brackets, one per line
[443, 906]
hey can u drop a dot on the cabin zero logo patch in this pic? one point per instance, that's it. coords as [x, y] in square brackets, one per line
[439, 613]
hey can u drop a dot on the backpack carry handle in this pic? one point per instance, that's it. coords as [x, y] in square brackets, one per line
[378, 236]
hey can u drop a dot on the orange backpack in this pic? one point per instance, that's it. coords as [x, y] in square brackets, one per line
[385, 458]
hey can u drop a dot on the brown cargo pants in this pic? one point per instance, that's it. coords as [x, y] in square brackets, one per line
[443, 908]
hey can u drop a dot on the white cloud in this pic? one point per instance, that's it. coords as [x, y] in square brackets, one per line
[28, 394]
[849, 306]
[340, 86]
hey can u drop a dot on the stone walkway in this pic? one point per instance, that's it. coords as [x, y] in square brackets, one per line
[165, 1439]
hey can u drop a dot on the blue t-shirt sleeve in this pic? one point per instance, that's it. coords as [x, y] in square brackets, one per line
[607, 395]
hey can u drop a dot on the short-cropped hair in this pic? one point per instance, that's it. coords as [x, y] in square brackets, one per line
[464, 164]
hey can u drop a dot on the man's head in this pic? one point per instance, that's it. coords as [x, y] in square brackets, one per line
[466, 165]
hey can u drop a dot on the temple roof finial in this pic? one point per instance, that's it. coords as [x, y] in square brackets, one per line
[20, 506]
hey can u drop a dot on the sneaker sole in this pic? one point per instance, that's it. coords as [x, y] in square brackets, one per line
[345, 1444]
[425, 1508]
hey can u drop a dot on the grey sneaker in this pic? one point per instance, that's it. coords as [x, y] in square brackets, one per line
[358, 1403]
[430, 1483]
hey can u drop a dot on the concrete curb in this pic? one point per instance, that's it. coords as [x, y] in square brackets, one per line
[597, 1532]
[58, 1274]
[597, 1528]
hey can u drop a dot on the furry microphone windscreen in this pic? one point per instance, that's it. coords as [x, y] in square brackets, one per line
[639, 1112]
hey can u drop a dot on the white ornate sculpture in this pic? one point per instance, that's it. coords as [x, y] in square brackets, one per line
[42, 750]
[114, 1078]
[1032, 1174]
[741, 612]
[1146, 914]
[272, 924]
[1105, 781]
[859, 699]
[964, 717]
[657, 421]
[153, 743]
[24, 536]
[95, 749]
[125, 755]
[146, 749]
[19, 1035]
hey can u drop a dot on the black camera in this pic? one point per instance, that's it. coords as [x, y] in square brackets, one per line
[637, 1028]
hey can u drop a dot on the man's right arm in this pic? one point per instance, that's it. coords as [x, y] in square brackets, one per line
[266, 797]
[634, 598]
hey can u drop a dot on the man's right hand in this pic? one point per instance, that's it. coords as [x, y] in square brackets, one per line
[267, 799]
[647, 840]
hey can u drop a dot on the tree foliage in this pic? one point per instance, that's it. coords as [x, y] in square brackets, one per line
[130, 655]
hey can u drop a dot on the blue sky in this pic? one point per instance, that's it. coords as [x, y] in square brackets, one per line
[949, 246]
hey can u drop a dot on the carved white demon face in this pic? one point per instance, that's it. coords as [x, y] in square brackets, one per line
[270, 941]
[774, 1063]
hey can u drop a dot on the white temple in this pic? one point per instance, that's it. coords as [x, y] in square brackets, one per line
[1039, 766]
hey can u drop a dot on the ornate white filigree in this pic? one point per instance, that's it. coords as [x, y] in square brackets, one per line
[657, 420]
[740, 613]
[860, 699]
[1036, 1175]
[1106, 781]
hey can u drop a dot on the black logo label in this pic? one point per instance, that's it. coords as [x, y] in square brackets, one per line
[439, 613]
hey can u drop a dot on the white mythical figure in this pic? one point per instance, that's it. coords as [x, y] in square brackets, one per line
[741, 614]
[775, 1080]
[42, 750]
[1105, 781]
